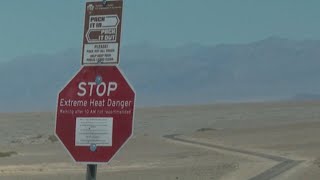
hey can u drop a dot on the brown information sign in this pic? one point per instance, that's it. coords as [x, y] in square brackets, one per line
[102, 33]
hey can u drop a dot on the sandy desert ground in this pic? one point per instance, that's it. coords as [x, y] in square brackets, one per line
[223, 141]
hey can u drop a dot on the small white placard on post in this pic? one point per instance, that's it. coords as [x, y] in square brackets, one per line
[100, 53]
[96, 131]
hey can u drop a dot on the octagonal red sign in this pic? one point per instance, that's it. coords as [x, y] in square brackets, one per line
[95, 113]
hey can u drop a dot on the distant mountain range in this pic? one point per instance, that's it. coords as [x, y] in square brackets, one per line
[274, 68]
[306, 97]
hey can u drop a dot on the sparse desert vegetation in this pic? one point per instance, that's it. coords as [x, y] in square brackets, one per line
[7, 154]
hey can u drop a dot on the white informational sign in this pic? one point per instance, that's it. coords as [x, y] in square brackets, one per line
[102, 33]
[97, 131]
[98, 53]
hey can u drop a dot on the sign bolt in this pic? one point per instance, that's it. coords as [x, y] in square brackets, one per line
[98, 79]
[104, 2]
[93, 147]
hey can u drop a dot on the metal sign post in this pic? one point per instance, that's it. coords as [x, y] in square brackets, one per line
[91, 172]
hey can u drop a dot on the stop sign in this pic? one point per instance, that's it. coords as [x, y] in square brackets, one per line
[95, 113]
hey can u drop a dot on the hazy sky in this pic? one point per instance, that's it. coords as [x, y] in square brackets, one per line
[49, 26]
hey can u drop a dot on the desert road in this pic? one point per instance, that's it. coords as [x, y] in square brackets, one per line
[283, 165]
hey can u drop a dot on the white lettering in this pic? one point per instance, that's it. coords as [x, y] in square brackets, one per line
[101, 89]
[104, 86]
[81, 88]
[112, 87]
[91, 87]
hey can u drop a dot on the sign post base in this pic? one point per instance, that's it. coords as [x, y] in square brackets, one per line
[91, 172]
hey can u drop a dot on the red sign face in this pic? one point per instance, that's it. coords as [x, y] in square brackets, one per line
[95, 114]
[102, 33]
